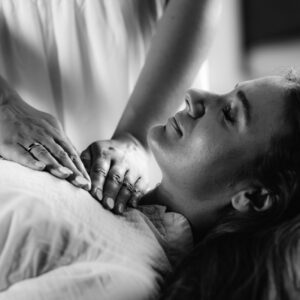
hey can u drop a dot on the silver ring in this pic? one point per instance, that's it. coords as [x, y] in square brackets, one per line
[116, 178]
[129, 186]
[33, 145]
[99, 171]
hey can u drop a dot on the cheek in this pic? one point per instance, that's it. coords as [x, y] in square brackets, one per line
[212, 165]
[188, 162]
[198, 161]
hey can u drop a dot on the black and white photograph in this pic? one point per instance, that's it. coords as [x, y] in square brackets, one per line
[149, 149]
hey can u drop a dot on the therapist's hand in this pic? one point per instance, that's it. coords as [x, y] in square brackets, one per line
[36, 140]
[118, 170]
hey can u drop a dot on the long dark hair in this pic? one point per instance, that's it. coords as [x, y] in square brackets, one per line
[278, 170]
[262, 266]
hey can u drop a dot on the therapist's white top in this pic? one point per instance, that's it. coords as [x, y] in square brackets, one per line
[77, 59]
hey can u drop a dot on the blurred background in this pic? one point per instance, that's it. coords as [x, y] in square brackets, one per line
[254, 38]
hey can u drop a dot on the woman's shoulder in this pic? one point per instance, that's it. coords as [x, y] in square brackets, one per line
[171, 229]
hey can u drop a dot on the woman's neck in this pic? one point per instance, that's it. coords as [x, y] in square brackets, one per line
[159, 196]
[201, 213]
[173, 202]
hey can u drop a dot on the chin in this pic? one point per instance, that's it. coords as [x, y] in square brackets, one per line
[155, 138]
[158, 143]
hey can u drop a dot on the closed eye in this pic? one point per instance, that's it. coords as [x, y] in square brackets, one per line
[229, 114]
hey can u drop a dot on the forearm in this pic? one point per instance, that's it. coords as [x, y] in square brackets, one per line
[9, 97]
[5, 91]
[177, 51]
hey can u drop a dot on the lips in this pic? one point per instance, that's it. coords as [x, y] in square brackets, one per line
[176, 125]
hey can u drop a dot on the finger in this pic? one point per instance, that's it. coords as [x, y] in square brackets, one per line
[62, 157]
[39, 152]
[78, 163]
[74, 155]
[99, 171]
[86, 158]
[112, 186]
[140, 189]
[125, 193]
[20, 155]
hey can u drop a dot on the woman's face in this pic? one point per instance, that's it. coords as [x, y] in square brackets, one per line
[202, 147]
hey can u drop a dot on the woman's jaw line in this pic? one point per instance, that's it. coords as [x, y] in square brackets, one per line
[200, 213]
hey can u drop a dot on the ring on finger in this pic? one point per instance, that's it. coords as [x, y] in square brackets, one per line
[129, 187]
[100, 171]
[116, 178]
[33, 145]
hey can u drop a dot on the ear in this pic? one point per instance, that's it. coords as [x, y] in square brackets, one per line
[258, 199]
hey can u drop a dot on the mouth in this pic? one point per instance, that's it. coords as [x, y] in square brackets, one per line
[176, 125]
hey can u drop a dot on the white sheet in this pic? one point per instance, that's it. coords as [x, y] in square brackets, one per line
[57, 242]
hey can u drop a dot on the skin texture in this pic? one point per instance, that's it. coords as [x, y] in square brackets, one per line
[199, 162]
[177, 51]
[22, 125]
[117, 166]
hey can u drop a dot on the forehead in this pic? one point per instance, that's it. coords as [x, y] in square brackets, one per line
[266, 89]
[267, 98]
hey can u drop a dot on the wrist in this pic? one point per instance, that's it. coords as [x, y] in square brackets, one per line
[126, 135]
[7, 94]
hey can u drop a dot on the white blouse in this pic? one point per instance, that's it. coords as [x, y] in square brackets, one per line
[77, 59]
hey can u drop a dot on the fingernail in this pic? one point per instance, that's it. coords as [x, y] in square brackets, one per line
[120, 208]
[79, 180]
[110, 202]
[65, 171]
[99, 194]
[40, 165]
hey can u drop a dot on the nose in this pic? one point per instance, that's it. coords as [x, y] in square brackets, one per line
[197, 101]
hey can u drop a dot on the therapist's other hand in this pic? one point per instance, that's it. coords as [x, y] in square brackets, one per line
[118, 169]
[36, 140]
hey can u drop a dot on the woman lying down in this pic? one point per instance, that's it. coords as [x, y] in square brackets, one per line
[229, 162]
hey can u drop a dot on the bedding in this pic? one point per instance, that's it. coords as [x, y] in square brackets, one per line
[57, 242]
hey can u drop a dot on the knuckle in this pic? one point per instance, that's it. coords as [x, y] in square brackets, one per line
[41, 151]
[61, 155]
[99, 170]
[112, 149]
[104, 153]
[40, 132]
[116, 178]
[74, 158]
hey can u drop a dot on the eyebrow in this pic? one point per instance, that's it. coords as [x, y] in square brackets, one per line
[245, 104]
